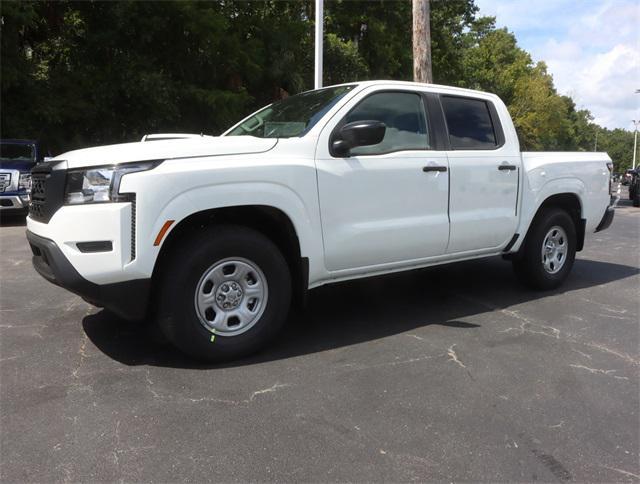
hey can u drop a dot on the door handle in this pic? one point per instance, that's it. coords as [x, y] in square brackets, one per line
[506, 167]
[429, 168]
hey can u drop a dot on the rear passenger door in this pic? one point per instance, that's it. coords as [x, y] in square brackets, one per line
[484, 175]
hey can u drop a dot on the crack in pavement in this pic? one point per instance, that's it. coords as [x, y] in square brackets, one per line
[532, 326]
[149, 383]
[454, 357]
[623, 472]
[602, 372]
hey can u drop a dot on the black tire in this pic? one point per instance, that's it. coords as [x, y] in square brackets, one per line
[636, 198]
[177, 314]
[529, 267]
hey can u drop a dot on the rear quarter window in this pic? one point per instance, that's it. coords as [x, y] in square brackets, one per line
[469, 123]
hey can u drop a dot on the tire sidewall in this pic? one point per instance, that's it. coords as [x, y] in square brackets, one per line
[178, 315]
[536, 273]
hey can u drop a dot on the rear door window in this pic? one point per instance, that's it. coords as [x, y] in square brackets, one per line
[469, 123]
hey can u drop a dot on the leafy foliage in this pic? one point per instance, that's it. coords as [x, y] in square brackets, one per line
[618, 143]
[83, 73]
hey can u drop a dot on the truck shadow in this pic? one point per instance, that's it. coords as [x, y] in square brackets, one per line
[364, 310]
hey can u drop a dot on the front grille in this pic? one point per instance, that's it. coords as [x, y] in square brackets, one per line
[5, 181]
[38, 196]
[47, 191]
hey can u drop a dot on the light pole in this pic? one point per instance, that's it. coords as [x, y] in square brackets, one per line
[635, 136]
[319, 39]
[636, 123]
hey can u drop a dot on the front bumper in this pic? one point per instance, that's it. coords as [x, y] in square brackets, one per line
[14, 202]
[107, 222]
[128, 299]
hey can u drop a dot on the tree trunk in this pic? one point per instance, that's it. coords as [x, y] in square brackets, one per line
[421, 42]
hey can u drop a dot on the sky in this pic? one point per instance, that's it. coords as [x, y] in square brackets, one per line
[591, 47]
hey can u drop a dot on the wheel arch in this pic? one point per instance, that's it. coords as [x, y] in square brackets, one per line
[567, 201]
[268, 220]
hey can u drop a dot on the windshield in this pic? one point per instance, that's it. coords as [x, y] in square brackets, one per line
[293, 116]
[17, 152]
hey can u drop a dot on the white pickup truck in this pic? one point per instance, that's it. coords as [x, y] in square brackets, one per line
[215, 237]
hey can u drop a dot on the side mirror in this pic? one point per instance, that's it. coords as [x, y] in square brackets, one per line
[357, 133]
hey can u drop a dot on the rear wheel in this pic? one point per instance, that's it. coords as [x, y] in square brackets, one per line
[636, 197]
[549, 251]
[225, 294]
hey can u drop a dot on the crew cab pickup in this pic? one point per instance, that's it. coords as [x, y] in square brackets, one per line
[215, 237]
[17, 158]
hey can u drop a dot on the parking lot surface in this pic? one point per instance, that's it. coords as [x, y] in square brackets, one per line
[452, 373]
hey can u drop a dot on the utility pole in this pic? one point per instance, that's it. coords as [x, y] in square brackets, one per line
[635, 141]
[319, 39]
[421, 42]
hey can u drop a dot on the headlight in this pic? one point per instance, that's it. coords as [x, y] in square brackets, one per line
[101, 184]
[24, 182]
[88, 186]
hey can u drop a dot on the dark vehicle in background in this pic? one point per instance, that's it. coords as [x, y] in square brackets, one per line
[17, 157]
[634, 187]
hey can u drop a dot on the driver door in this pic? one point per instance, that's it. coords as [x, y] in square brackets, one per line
[385, 204]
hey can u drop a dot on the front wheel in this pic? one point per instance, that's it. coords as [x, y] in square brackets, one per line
[549, 251]
[225, 293]
[636, 197]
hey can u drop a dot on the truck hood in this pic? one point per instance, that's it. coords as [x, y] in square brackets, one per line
[166, 149]
[23, 166]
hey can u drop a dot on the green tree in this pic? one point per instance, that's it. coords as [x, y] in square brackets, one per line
[20, 90]
[77, 73]
[618, 143]
[492, 60]
[346, 63]
[539, 114]
[381, 30]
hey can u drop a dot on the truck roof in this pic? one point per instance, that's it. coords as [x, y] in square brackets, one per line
[383, 82]
[18, 141]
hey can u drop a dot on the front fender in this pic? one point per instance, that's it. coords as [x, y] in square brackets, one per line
[177, 189]
[278, 196]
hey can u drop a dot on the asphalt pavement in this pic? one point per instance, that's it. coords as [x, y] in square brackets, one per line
[455, 373]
